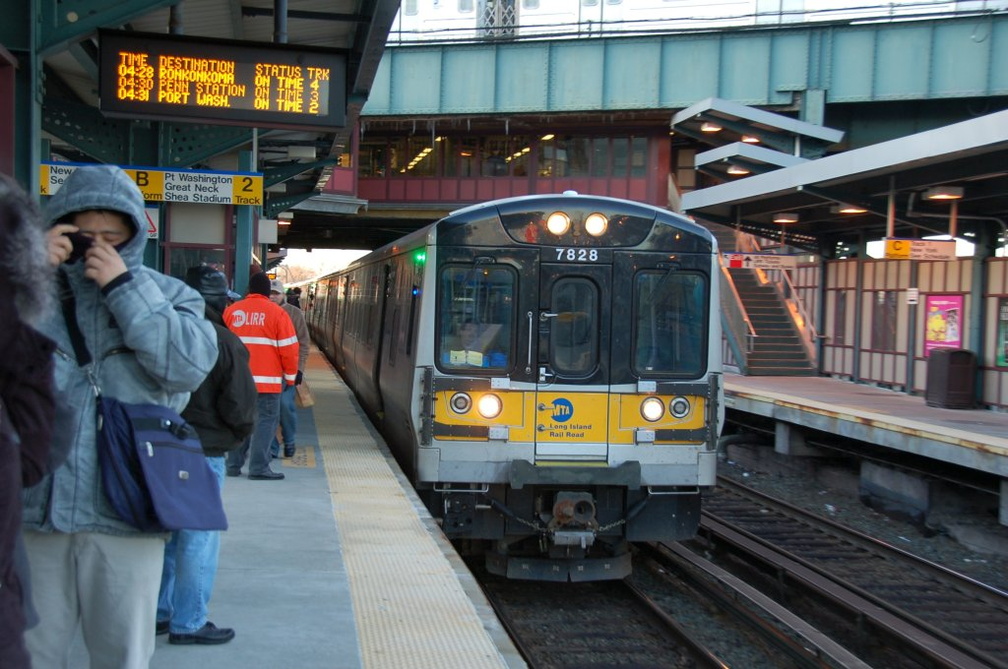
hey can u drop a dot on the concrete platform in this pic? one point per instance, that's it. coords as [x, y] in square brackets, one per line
[339, 566]
[970, 438]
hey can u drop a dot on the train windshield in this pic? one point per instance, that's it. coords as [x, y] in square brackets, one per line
[574, 335]
[476, 322]
[670, 314]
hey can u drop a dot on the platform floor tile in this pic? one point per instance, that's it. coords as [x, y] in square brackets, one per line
[411, 611]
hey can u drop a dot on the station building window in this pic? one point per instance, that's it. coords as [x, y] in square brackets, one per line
[883, 327]
[181, 259]
[461, 157]
[196, 234]
[494, 157]
[638, 156]
[413, 157]
[373, 158]
[840, 318]
[504, 156]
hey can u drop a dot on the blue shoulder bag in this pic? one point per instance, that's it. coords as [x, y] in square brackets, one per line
[153, 469]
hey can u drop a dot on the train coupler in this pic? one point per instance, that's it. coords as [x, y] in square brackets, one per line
[580, 538]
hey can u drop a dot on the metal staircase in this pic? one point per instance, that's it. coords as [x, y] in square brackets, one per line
[777, 349]
[760, 328]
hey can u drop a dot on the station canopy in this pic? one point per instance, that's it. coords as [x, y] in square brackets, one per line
[967, 160]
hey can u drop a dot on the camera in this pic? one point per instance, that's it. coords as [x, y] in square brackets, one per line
[81, 243]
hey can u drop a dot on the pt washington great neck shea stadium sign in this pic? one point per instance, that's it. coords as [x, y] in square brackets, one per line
[221, 82]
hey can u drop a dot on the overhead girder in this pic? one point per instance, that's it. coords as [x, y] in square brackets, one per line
[67, 21]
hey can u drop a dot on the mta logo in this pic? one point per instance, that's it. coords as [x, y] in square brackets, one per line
[562, 410]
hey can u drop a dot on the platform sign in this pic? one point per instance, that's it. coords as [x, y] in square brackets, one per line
[158, 185]
[919, 249]
[760, 261]
[222, 82]
[153, 221]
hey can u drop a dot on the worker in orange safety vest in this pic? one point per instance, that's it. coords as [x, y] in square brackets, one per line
[268, 333]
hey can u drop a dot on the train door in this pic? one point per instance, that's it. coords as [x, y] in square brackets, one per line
[572, 390]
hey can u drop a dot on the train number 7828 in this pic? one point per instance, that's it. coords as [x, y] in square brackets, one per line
[577, 255]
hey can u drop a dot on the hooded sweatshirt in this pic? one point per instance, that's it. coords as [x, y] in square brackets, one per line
[149, 342]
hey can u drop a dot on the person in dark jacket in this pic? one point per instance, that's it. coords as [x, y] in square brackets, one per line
[27, 407]
[223, 411]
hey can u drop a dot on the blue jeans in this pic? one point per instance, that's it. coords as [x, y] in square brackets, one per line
[190, 566]
[257, 445]
[288, 421]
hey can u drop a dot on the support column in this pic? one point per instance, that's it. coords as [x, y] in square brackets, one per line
[1003, 503]
[790, 440]
[243, 236]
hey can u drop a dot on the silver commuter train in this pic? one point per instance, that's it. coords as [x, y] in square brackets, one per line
[546, 370]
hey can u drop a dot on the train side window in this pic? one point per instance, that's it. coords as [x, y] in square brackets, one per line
[393, 338]
[573, 340]
[670, 323]
[476, 317]
[412, 319]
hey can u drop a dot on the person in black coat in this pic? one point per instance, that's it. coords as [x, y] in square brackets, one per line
[223, 411]
[27, 405]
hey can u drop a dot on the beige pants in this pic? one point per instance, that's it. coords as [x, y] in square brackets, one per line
[107, 584]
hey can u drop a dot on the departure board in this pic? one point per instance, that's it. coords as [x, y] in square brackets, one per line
[266, 85]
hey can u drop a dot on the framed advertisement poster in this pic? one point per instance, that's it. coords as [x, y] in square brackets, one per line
[943, 322]
[1001, 357]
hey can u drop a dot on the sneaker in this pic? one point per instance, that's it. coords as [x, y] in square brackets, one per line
[161, 627]
[289, 451]
[233, 472]
[208, 635]
[266, 476]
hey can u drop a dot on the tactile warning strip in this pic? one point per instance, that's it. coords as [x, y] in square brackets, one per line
[410, 608]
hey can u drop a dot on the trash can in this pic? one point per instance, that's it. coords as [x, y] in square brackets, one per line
[951, 379]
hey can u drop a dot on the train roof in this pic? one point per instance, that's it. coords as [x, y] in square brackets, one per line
[463, 215]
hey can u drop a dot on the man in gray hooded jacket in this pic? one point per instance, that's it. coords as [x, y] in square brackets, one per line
[150, 343]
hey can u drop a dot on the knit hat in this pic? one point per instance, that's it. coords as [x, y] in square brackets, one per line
[207, 280]
[259, 284]
[276, 285]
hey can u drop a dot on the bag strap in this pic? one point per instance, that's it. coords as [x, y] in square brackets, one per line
[69, 303]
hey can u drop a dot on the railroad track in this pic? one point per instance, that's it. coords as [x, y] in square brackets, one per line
[598, 624]
[888, 606]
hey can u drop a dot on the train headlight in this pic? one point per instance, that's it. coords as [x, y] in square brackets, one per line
[596, 224]
[679, 407]
[460, 403]
[489, 406]
[652, 409]
[558, 223]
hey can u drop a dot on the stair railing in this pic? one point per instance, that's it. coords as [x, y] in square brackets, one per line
[785, 288]
[796, 307]
[735, 319]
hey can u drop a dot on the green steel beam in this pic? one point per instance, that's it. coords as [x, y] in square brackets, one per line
[274, 205]
[244, 235]
[807, 65]
[62, 22]
[84, 127]
[18, 38]
[281, 173]
[185, 144]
